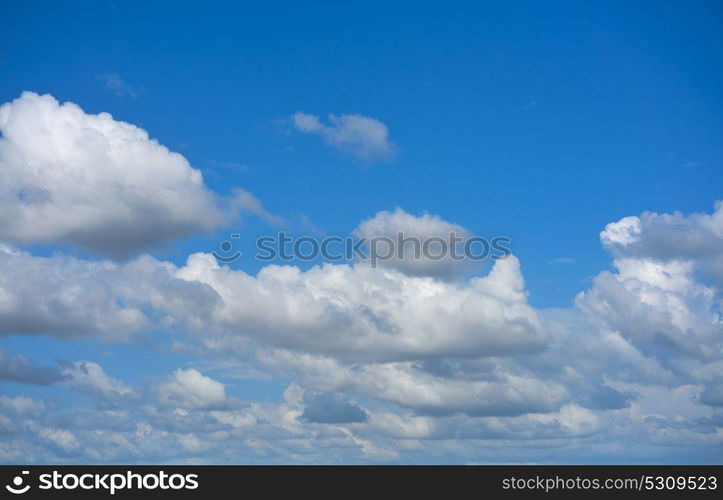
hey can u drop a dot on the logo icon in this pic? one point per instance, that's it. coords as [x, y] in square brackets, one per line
[18, 488]
[226, 247]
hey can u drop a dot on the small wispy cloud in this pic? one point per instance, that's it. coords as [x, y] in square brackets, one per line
[564, 260]
[121, 88]
[230, 165]
[248, 202]
[308, 226]
[361, 136]
[215, 168]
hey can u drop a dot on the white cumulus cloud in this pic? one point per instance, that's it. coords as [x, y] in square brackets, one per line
[89, 376]
[421, 245]
[696, 238]
[191, 389]
[361, 136]
[67, 176]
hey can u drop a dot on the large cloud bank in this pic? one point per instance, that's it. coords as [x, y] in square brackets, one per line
[402, 362]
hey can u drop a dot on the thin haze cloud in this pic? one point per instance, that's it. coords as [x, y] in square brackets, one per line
[120, 87]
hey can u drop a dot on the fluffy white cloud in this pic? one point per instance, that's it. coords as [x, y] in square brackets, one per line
[89, 180]
[658, 305]
[671, 321]
[352, 312]
[63, 297]
[89, 376]
[68, 297]
[364, 137]
[409, 235]
[669, 326]
[503, 393]
[697, 238]
[191, 389]
[372, 315]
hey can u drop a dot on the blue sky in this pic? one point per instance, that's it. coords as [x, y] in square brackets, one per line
[543, 122]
